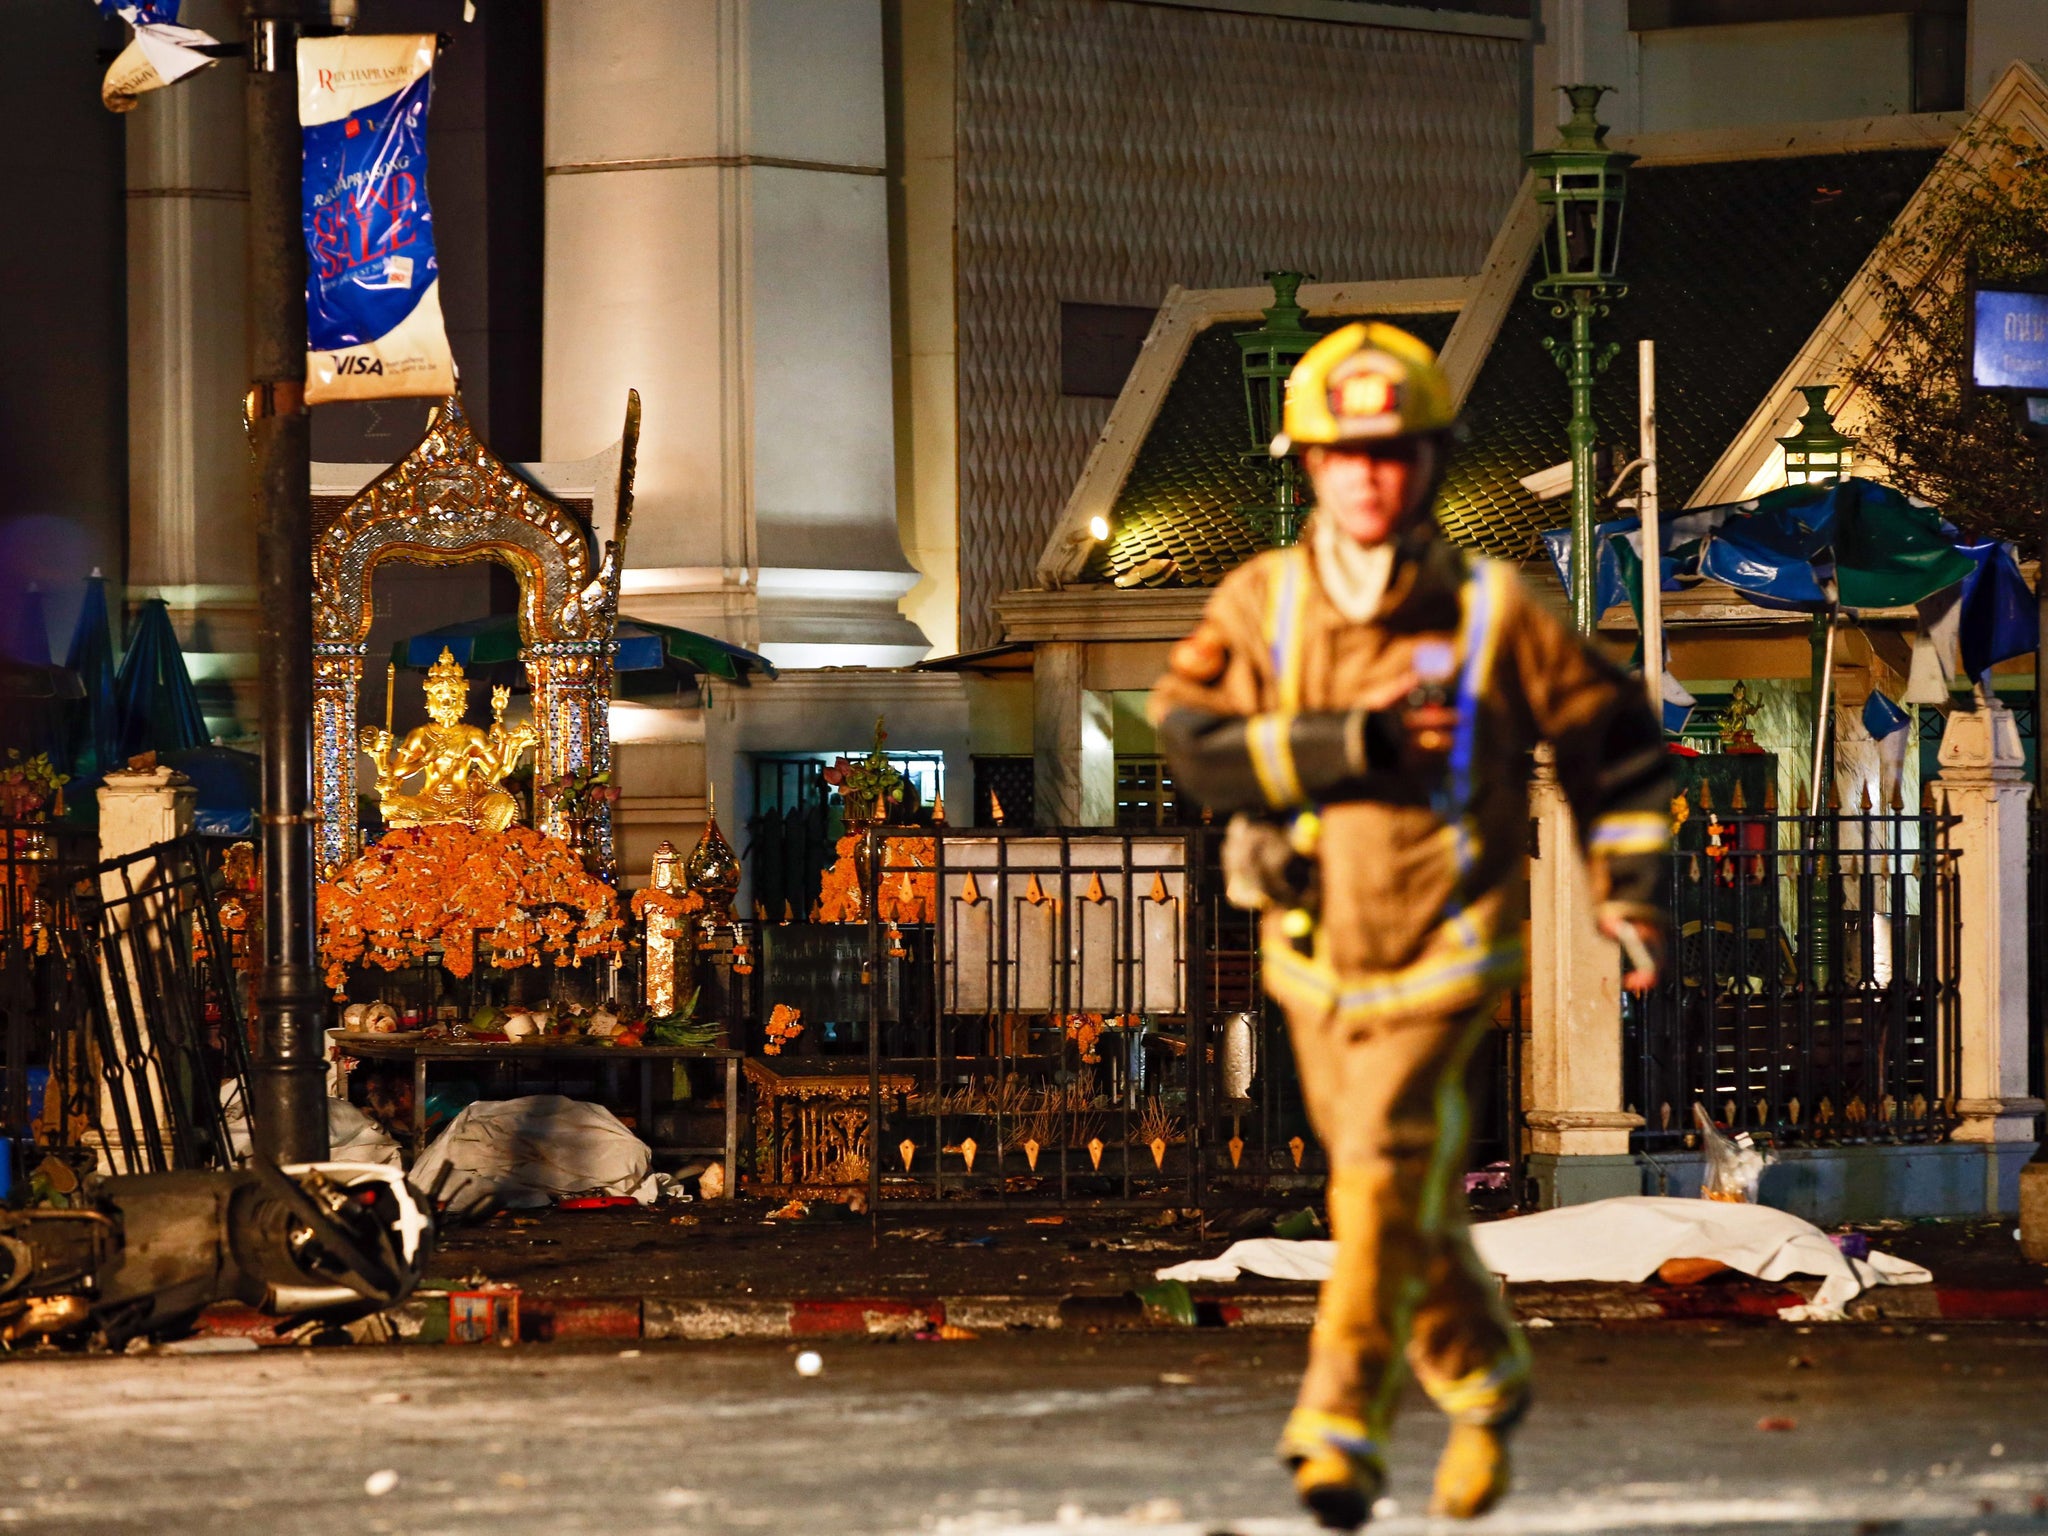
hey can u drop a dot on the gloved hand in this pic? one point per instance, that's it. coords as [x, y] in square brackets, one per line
[1262, 869]
[1647, 925]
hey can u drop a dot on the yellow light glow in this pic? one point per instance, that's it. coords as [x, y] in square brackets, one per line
[1098, 528]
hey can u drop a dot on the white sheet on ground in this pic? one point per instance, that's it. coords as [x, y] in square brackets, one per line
[352, 1136]
[1621, 1240]
[528, 1152]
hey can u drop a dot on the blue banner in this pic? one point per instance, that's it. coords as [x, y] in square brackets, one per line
[373, 307]
[142, 13]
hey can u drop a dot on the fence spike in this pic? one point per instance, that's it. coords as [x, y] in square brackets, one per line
[1918, 1106]
[1792, 1109]
[1095, 1152]
[1034, 892]
[1738, 803]
[1770, 794]
[1160, 893]
[1857, 1112]
[968, 1148]
[1888, 1109]
[1158, 1147]
[1864, 797]
[1728, 1113]
[970, 893]
[1095, 892]
[1706, 795]
[1236, 1150]
[1295, 1147]
[906, 1149]
[1825, 1115]
[1031, 1153]
[1664, 1116]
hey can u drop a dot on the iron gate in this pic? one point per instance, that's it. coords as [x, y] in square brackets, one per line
[119, 1010]
[1071, 1015]
[1811, 994]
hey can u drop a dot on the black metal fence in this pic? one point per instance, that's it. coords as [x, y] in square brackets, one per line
[1811, 993]
[1057, 1016]
[120, 1013]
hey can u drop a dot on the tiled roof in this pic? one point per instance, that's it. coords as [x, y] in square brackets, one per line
[1179, 503]
[1730, 266]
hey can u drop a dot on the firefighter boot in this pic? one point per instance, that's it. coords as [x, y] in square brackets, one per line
[1336, 1465]
[1472, 1474]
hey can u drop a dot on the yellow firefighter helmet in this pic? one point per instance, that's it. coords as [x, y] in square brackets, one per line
[1364, 382]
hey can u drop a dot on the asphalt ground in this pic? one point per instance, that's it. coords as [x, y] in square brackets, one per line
[1767, 1430]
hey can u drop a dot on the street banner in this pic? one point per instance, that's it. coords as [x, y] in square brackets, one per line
[159, 54]
[373, 280]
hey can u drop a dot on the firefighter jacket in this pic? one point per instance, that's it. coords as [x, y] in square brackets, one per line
[1278, 705]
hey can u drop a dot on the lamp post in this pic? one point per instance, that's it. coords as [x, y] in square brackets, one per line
[1269, 356]
[1581, 185]
[1817, 451]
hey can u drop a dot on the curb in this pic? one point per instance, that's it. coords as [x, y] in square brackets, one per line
[502, 1315]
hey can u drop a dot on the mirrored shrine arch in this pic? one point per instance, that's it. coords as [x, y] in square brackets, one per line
[451, 501]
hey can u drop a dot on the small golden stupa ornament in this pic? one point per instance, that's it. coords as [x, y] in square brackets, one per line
[713, 870]
[462, 769]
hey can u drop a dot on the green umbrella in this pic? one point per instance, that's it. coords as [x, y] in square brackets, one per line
[488, 649]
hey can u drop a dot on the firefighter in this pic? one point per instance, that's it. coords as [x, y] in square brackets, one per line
[1363, 705]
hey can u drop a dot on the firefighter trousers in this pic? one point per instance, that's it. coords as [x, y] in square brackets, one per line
[1388, 1102]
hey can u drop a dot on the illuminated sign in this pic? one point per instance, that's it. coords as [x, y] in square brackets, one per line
[2009, 340]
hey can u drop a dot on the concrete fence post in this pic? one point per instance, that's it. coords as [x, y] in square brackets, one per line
[1983, 785]
[1572, 1072]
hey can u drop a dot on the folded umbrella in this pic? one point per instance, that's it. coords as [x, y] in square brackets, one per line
[157, 706]
[94, 732]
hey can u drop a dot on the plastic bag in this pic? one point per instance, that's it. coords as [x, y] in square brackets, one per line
[1734, 1164]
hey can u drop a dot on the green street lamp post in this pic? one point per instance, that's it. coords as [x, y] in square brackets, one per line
[1817, 451]
[1581, 185]
[1269, 356]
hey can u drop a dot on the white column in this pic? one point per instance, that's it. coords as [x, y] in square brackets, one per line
[1583, 42]
[191, 535]
[1073, 742]
[1572, 1072]
[717, 236]
[1983, 786]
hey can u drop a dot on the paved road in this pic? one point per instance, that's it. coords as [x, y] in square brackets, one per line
[1640, 1430]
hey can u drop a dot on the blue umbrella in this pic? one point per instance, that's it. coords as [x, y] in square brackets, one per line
[157, 706]
[1877, 547]
[94, 733]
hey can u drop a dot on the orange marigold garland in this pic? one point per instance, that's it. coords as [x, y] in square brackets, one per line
[907, 885]
[673, 905]
[784, 1025]
[419, 890]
